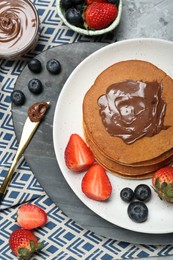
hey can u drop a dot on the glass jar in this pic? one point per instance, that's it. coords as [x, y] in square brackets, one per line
[19, 28]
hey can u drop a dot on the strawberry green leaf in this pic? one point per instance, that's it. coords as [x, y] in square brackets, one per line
[157, 183]
[163, 186]
[40, 245]
[169, 191]
[23, 251]
[32, 246]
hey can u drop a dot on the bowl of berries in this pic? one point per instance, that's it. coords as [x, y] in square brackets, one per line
[90, 17]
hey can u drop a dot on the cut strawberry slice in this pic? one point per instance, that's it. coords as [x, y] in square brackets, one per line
[78, 156]
[96, 184]
[30, 216]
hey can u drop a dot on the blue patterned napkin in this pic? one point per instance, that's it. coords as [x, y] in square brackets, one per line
[63, 238]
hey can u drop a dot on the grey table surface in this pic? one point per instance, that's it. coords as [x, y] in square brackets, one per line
[140, 18]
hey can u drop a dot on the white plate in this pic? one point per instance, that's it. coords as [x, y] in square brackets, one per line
[68, 120]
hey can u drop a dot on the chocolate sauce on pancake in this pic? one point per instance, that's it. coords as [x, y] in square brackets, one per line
[133, 109]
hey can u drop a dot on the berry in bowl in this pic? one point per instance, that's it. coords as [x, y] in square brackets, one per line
[90, 17]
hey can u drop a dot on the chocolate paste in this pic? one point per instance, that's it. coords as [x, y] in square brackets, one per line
[37, 111]
[18, 25]
[133, 109]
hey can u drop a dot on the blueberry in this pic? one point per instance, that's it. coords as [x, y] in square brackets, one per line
[115, 2]
[35, 66]
[142, 192]
[76, 2]
[80, 7]
[127, 194]
[18, 97]
[53, 66]
[74, 17]
[35, 86]
[137, 211]
[66, 4]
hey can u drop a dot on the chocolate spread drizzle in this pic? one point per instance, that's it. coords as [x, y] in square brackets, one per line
[133, 109]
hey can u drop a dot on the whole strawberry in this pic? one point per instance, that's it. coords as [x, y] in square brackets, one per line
[100, 15]
[24, 243]
[163, 183]
[30, 216]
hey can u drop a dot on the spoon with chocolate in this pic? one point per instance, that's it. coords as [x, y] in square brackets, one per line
[36, 113]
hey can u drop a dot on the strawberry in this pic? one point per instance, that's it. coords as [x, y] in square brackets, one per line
[96, 184]
[99, 15]
[24, 243]
[95, 1]
[30, 216]
[78, 156]
[163, 183]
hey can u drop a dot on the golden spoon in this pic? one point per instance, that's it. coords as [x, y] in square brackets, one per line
[27, 134]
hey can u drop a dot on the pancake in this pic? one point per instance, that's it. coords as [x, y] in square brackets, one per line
[142, 172]
[155, 161]
[145, 149]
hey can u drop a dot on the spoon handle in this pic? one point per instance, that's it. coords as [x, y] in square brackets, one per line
[27, 134]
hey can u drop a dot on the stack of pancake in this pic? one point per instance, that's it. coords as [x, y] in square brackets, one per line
[139, 159]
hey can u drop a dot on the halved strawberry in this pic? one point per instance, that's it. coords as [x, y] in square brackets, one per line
[96, 184]
[30, 216]
[78, 156]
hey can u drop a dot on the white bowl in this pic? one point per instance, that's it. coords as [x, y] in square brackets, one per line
[90, 32]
